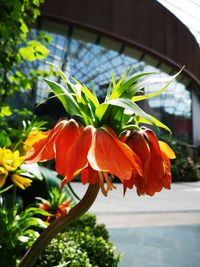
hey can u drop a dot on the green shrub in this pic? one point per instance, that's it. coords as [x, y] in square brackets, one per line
[180, 148]
[184, 170]
[18, 230]
[66, 252]
[83, 244]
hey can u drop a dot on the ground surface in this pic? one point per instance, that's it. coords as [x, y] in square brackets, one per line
[159, 231]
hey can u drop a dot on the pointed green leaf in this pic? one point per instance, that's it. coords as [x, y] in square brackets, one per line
[145, 83]
[127, 88]
[130, 85]
[100, 111]
[93, 88]
[127, 104]
[156, 122]
[89, 95]
[113, 79]
[63, 77]
[65, 97]
[117, 90]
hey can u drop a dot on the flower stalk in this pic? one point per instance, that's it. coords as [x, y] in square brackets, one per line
[58, 226]
[108, 143]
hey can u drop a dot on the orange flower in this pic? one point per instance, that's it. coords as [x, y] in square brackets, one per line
[43, 143]
[154, 156]
[98, 154]
[95, 153]
[63, 208]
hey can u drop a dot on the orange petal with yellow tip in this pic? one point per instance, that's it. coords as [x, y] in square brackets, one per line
[167, 150]
[109, 154]
[43, 149]
[35, 137]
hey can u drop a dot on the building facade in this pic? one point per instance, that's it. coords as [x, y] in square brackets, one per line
[93, 37]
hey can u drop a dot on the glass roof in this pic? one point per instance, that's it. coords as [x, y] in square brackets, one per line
[88, 58]
[188, 11]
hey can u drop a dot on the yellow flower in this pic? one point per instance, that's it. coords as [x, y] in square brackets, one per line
[20, 181]
[10, 160]
[3, 175]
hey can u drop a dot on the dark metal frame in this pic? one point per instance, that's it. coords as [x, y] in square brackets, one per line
[142, 24]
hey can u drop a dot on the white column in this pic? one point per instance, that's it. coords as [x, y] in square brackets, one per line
[196, 118]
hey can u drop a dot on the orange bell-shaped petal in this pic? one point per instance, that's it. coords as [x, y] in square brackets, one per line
[66, 138]
[99, 155]
[109, 154]
[165, 148]
[139, 145]
[52, 144]
[43, 144]
[88, 175]
[154, 168]
[154, 156]
[76, 159]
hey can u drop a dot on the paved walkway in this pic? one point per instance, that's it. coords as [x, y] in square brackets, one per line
[159, 231]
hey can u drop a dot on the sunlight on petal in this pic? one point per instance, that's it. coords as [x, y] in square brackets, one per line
[167, 150]
[63, 143]
[76, 159]
[109, 154]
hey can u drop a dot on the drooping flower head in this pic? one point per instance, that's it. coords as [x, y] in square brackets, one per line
[85, 151]
[155, 157]
[91, 146]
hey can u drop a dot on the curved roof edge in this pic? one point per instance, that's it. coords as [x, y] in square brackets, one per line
[145, 25]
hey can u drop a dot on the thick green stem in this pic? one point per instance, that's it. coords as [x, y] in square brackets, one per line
[59, 225]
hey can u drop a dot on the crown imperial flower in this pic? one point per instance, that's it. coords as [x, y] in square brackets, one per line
[76, 149]
[102, 142]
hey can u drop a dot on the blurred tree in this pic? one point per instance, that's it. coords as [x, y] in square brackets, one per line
[16, 48]
[17, 51]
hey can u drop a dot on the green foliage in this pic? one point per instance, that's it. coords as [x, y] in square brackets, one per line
[16, 134]
[33, 51]
[57, 197]
[4, 139]
[56, 204]
[13, 33]
[5, 111]
[184, 170]
[64, 253]
[16, 50]
[119, 108]
[83, 244]
[18, 230]
[53, 181]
